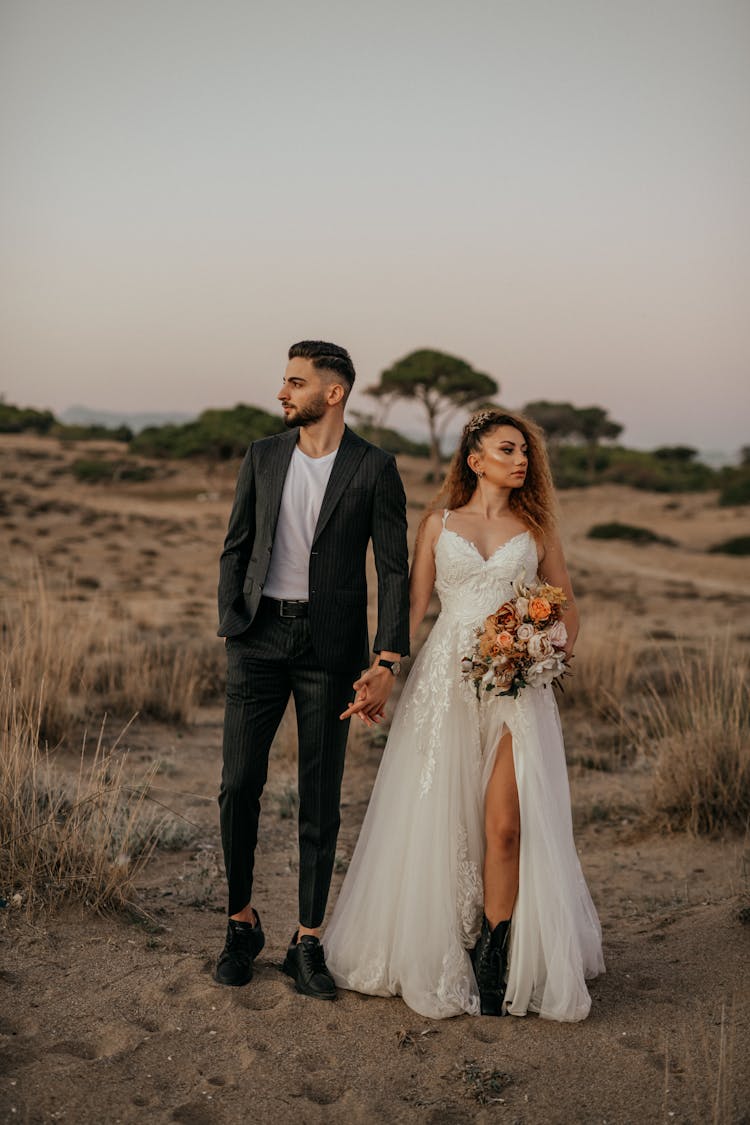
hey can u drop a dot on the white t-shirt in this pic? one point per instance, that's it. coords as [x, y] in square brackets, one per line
[304, 487]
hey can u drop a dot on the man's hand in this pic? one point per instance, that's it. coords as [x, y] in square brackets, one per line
[373, 689]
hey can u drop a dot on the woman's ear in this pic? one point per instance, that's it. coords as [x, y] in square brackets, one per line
[474, 462]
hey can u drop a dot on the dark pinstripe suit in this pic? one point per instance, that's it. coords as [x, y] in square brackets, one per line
[315, 658]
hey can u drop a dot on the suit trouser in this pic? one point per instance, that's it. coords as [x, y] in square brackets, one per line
[272, 660]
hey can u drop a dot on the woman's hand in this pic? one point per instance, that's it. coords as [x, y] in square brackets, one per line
[373, 690]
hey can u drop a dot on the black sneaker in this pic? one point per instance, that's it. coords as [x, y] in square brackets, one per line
[305, 964]
[244, 943]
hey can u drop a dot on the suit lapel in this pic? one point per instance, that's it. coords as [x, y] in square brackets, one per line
[351, 451]
[278, 466]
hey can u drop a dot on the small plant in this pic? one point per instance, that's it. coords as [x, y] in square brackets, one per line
[629, 532]
[287, 803]
[482, 1083]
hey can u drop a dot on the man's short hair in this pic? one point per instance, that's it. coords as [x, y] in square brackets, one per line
[325, 356]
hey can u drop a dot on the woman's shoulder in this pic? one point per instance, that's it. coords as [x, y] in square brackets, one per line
[431, 525]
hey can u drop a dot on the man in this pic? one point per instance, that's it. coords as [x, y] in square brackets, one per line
[293, 609]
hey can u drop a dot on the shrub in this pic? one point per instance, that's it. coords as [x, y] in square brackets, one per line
[699, 721]
[391, 440]
[95, 470]
[735, 486]
[17, 420]
[219, 434]
[629, 532]
[59, 842]
[667, 469]
[739, 545]
[91, 433]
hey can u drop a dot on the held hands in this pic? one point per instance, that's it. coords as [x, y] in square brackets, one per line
[373, 689]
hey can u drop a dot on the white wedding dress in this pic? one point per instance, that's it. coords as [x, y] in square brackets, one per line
[411, 904]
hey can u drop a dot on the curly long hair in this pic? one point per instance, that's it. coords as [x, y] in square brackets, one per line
[534, 502]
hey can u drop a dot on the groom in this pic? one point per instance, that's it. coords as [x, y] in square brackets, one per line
[293, 609]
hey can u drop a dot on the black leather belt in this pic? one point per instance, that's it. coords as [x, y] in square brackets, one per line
[288, 608]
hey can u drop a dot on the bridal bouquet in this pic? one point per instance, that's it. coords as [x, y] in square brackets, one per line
[521, 645]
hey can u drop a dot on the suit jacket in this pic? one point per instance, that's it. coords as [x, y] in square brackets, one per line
[364, 500]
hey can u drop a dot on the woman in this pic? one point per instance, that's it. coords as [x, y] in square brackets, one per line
[465, 868]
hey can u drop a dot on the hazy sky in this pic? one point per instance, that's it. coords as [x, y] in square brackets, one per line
[554, 191]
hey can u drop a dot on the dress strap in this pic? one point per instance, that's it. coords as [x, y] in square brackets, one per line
[446, 513]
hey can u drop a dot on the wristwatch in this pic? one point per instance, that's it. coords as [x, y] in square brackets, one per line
[393, 666]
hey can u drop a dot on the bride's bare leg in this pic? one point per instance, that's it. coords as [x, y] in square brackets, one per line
[502, 824]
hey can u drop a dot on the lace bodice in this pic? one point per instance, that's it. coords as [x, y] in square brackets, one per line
[471, 587]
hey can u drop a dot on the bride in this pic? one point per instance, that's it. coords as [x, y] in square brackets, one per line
[464, 893]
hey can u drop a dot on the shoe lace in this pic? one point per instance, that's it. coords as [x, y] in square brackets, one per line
[238, 941]
[313, 955]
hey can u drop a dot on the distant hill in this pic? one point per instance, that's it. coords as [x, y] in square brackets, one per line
[84, 416]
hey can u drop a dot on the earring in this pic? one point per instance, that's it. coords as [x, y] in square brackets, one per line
[480, 474]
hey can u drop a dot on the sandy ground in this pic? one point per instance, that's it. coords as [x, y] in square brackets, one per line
[118, 1019]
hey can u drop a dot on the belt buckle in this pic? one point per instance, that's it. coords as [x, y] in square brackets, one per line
[287, 602]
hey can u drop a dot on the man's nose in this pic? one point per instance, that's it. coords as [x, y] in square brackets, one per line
[282, 394]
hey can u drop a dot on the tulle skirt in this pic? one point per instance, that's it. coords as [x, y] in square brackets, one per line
[411, 904]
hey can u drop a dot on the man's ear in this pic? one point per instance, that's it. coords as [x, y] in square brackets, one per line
[335, 394]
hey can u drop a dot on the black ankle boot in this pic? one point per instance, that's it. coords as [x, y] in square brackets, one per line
[490, 960]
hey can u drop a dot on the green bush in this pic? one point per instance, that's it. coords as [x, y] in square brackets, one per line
[95, 470]
[629, 532]
[738, 545]
[17, 420]
[735, 486]
[667, 469]
[392, 441]
[219, 434]
[91, 433]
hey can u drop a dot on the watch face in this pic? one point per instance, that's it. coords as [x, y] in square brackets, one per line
[395, 667]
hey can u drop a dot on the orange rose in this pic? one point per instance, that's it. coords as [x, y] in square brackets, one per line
[504, 617]
[539, 609]
[505, 641]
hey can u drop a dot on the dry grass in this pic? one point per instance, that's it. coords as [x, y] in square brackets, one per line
[150, 675]
[698, 726]
[80, 662]
[60, 841]
[710, 1070]
[63, 663]
[605, 665]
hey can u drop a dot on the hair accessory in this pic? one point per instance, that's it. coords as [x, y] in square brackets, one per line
[479, 421]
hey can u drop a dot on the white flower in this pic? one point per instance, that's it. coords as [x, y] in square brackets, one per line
[522, 608]
[545, 671]
[539, 646]
[525, 632]
[558, 634]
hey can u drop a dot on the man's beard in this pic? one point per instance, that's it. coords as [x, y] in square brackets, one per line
[306, 415]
